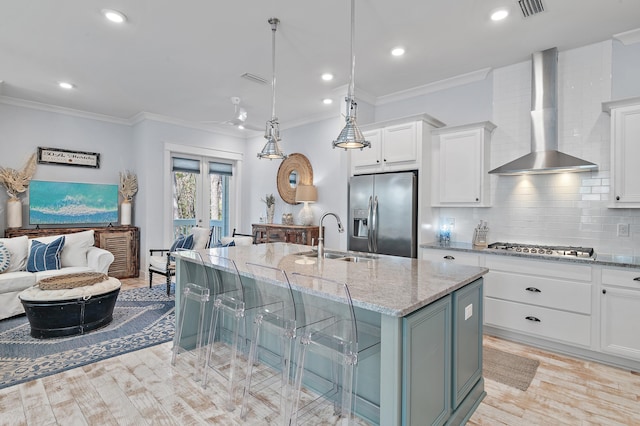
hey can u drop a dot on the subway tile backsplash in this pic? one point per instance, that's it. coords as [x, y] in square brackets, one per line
[570, 208]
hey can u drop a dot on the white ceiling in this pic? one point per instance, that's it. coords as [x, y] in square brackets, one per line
[183, 59]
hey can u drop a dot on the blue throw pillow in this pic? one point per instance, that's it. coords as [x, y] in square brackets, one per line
[5, 258]
[182, 242]
[231, 243]
[45, 257]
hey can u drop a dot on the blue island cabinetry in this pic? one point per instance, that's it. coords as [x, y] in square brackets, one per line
[442, 359]
[427, 369]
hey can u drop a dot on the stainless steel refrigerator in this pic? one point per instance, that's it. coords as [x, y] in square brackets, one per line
[383, 210]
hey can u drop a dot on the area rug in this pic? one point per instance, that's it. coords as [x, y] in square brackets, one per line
[142, 317]
[512, 370]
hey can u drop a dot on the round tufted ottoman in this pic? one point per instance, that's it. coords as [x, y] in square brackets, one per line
[66, 312]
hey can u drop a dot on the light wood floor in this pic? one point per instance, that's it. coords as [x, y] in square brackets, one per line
[141, 388]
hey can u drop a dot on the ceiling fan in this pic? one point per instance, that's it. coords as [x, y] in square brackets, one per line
[239, 117]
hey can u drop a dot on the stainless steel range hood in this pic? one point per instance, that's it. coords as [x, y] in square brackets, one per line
[544, 156]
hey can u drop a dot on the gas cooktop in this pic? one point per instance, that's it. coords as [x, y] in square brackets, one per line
[543, 250]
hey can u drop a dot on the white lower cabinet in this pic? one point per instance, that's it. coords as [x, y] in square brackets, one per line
[620, 312]
[463, 258]
[549, 300]
[588, 310]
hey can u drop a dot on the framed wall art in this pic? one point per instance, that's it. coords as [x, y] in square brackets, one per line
[68, 158]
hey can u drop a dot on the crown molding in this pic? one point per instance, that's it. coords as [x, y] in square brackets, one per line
[436, 86]
[7, 100]
[628, 37]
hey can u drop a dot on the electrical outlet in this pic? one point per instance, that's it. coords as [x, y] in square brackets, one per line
[623, 230]
[468, 312]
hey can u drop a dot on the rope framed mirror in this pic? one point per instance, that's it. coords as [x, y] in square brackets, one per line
[294, 170]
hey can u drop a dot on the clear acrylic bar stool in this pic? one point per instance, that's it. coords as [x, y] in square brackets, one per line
[194, 296]
[340, 339]
[274, 328]
[226, 326]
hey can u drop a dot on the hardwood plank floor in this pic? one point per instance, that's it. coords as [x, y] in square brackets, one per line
[141, 388]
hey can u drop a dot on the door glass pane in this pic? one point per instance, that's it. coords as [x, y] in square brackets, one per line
[219, 209]
[185, 195]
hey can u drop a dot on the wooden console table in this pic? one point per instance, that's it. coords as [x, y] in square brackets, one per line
[122, 241]
[299, 234]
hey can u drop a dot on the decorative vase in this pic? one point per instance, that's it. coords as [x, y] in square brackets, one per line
[125, 213]
[270, 212]
[14, 213]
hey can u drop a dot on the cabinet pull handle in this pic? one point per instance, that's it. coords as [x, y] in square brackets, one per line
[604, 291]
[477, 199]
[636, 279]
[449, 257]
[378, 161]
[534, 319]
[533, 290]
[618, 198]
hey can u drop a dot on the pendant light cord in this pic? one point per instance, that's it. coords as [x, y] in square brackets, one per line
[353, 56]
[274, 24]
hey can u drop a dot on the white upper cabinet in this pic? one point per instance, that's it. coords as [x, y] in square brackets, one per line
[625, 152]
[460, 165]
[395, 146]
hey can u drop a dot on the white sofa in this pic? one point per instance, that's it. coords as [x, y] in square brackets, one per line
[78, 255]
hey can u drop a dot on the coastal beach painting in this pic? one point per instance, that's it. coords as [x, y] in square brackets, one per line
[59, 203]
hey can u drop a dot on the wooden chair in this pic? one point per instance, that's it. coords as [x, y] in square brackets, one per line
[160, 261]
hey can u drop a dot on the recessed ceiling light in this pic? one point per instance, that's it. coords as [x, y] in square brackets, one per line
[114, 16]
[327, 101]
[499, 15]
[65, 85]
[327, 76]
[397, 51]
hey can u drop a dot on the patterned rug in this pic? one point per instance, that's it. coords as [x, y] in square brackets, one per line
[142, 317]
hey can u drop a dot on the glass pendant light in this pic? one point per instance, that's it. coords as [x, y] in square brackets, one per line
[271, 149]
[351, 137]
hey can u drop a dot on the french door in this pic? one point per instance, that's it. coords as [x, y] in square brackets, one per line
[200, 194]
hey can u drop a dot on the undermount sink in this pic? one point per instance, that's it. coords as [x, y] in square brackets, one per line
[340, 255]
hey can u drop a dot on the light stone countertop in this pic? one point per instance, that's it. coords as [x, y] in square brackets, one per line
[390, 285]
[601, 259]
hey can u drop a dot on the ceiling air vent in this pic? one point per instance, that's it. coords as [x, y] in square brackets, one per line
[254, 78]
[531, 7]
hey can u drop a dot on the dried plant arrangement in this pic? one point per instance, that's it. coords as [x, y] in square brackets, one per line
[128, 185]
[17, 181]
[269, 200]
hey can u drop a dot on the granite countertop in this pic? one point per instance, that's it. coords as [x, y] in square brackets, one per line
[390, 285]
[601, 259]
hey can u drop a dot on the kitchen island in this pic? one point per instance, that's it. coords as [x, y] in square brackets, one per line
[429, 366]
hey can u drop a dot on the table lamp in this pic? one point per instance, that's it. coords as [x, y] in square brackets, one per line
[306, 194]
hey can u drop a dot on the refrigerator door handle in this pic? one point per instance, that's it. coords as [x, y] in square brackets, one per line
[374, 236]
[370, 223]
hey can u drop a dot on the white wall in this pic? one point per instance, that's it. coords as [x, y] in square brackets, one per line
[23, 130]
[329, 175]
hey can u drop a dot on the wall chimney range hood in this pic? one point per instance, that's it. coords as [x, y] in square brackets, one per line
[544, 156]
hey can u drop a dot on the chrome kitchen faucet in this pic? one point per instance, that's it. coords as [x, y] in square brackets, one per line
[321, 236]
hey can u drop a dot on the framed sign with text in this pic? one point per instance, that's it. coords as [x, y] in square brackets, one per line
[68, 158]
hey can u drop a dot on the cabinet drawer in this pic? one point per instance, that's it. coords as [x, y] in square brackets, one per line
[562, 326]
[551, 269]
[461, 257]
[622, 277]
[545, 292]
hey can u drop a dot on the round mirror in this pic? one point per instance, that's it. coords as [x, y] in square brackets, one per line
[293, 179]
[295, 169]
